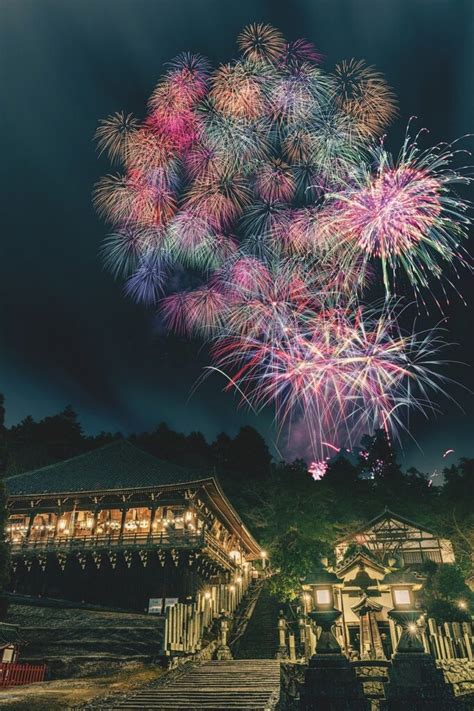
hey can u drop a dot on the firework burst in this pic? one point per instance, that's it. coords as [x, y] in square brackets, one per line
[264, 187]
[364, 95]
[403, 214]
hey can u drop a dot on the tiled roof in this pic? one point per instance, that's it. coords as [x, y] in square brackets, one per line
[119, 465]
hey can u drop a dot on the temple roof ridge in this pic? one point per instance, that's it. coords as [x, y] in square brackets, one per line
[386, 514]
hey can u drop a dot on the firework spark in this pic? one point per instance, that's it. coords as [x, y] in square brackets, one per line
[266, 182]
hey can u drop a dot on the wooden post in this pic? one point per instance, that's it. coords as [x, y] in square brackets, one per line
[30, 525]
[166, 633]
[55, 532]
[122, 522]
[152, 520]
[393, 634]
[468, 644]
[312, 642]
[426, 644]
[94, 520]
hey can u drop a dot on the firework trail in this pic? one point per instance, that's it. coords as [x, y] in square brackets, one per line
[268, 181]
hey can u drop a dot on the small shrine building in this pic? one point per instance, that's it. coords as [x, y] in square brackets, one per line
[378, 568]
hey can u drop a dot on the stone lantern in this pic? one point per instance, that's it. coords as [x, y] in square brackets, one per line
[223, 651]
[330, 680]
[405, 612]
[414, 679]
[320, 583]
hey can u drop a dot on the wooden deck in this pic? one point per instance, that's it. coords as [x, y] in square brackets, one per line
[217, 685]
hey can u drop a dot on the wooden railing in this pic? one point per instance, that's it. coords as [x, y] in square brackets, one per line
[19, 674]
[180, 538]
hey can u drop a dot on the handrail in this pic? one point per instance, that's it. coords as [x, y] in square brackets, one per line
[127, 539]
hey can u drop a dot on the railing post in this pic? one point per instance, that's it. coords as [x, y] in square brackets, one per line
[30, 525]
[122, 523]
[153, 511]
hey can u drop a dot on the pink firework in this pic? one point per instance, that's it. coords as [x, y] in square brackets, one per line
[346, 372]
[404, 215]
[258, 185]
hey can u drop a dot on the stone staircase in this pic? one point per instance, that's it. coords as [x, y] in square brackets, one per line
[260, 639]
[214, 685]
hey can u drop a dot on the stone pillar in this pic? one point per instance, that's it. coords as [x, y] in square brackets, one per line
[282, 652]
[292, 647]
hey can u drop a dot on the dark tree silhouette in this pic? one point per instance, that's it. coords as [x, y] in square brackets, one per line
[249, 456]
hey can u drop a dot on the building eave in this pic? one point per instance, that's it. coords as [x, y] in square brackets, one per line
[386, 514]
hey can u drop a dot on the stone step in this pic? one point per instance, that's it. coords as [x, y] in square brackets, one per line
[218, 685]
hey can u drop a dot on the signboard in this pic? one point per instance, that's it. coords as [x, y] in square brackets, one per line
[155, 606]
[170, 601]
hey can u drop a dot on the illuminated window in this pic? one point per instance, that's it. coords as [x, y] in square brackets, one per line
[402, 597]
[323, 597]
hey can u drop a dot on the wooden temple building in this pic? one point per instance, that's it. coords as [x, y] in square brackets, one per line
[378, 568]
[116, 526]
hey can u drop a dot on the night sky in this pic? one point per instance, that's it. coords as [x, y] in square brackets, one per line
[68, 333]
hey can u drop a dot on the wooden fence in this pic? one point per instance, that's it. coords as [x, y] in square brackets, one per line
[19, 674]
[186, 623]
[451, 640]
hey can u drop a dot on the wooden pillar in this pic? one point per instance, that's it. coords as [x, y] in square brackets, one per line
[122, 522]
[95, 516]
[30, 524]
[72, 522]
[58, 516]
[153, 510]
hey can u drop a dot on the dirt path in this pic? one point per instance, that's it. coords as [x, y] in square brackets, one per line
[64, 694]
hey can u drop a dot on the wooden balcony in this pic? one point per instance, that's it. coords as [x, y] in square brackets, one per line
[169, 540]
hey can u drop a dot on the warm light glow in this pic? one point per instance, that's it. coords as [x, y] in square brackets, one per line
[232, 588]
[402, 596]
[207, 595]
[238, 579]
[189, 515]
[462, 604]
[323, 597]
[62, 524]
[412, 628]
[263, 554]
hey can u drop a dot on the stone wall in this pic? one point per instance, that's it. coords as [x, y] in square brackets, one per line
[460, 674]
